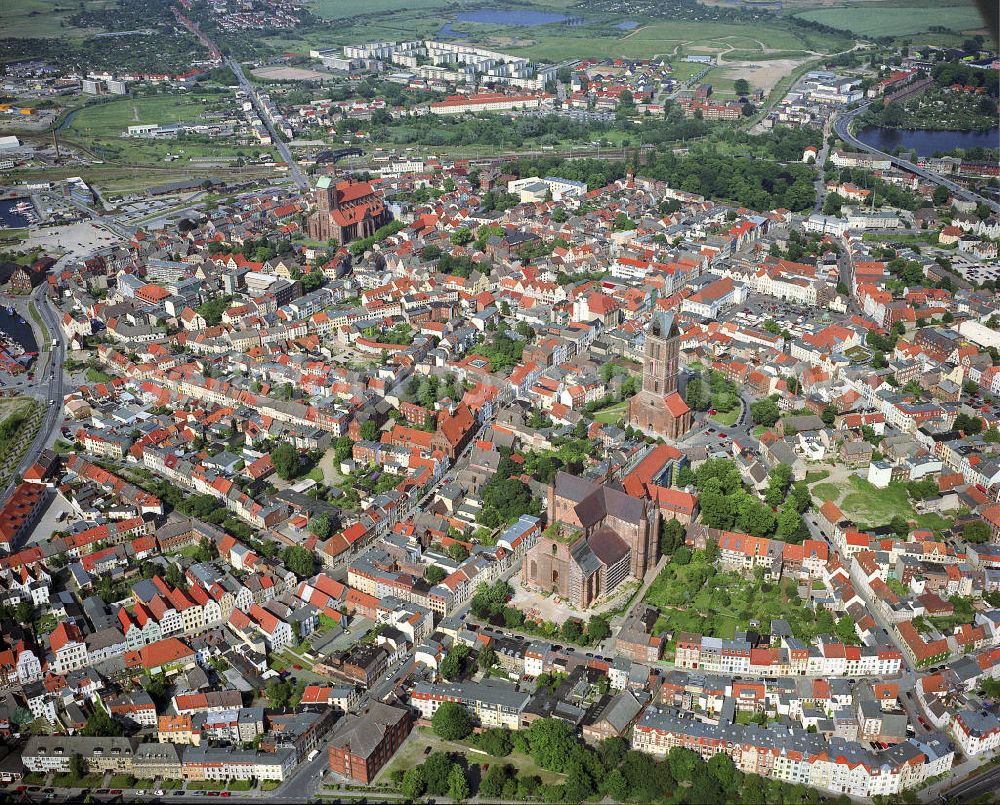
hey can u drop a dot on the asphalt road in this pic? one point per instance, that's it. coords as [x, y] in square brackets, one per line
[841, 127]
[51, 385]
[293, 168]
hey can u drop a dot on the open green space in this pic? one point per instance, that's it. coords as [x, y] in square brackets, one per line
[727, 418]
[599, 37]
[112, 118]
[345, 9]
[28, 19]
[612, 413]
[698, 597]
[413, 753]
[890, 19]
[867, 505]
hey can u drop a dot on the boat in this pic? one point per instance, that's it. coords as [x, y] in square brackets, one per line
[10, 310]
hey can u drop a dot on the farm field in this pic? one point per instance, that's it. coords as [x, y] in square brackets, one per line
[893, 20]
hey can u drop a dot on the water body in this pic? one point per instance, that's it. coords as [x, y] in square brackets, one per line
[20, 332]
[510, 16]
[9, 219]
[526, 18]
[927, 142]
[628, 25]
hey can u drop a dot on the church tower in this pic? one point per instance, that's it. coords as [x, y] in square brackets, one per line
[658, 409]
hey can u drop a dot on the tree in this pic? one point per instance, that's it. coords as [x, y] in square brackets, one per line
[458, 786]
[616, 786]
[899, 525]
[495, 741]
[598, 629]
[435, 574]
[414, 784]
[487, 658]
[320, 526]
[461, 236]
[976, 531]
[206, 551]
[571, 630]
[368, 430]
[845, 630]
[941, 195]
[453, 665]
[174, 577]
[100, 723]
[278, 693]
[285, 460]
[672, 534]
[298, 559]
[765, 412]
[77, 766]
[492, 784]
[451, 721]
[741, 86]
[437, 768]
[829, 415]
[458, 552]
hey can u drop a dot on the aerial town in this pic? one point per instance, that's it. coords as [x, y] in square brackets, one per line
[502, 406]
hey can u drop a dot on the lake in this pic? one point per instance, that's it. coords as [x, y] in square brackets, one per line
[510, 16]
[926, 142]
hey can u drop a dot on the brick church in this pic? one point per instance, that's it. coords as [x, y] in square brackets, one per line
[658, 409]
[598, 537]
[346, 210]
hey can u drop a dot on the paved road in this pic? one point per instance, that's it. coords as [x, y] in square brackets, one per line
[293, 168]
[51, 385]
[112, 224]
[820, 181]
[841, 127]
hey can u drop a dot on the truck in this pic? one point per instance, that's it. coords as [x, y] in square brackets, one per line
[55, 343]
[312, 755]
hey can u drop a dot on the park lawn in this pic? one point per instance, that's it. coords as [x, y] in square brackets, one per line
[890, 19]
[411, 754]
[612, 413]
[727, 418]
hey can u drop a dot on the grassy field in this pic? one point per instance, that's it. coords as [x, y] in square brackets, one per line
[868, 505]
[345, 9]
[897, 20]
[599, 38]
[113, 118]
[27, 19]
[727, 418]
[612, 413]
[412, 754]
